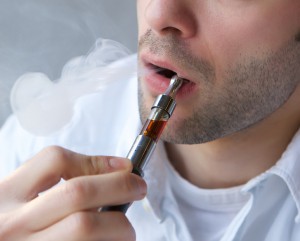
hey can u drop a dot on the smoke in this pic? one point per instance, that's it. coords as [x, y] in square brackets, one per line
[43, 106]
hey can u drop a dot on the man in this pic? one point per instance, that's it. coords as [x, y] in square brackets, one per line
[232, 142]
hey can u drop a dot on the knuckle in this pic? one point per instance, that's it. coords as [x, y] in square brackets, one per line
[99, 164]
[75, 192]
[55, 151]
[56, 155]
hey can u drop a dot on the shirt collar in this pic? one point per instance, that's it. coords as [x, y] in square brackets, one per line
[287, 168]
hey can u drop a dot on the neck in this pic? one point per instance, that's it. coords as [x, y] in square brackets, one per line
[235, 159]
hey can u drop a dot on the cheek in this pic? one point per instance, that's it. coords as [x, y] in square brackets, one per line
[236, 33]
[148, 98]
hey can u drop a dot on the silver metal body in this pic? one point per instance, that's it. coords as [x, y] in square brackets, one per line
[141, 152]
[144, 146]
[166, 103]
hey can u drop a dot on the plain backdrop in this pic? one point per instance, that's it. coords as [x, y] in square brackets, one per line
[42, 35]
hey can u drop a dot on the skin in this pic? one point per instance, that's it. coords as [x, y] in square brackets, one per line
[68, 211]
[227, 37]
[244, 57]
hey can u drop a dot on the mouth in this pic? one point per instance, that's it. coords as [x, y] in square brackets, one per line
[165, 72]
[158, 78]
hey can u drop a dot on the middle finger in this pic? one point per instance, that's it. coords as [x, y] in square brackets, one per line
[83, 193]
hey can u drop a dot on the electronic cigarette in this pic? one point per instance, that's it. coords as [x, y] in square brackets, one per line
[145, 143]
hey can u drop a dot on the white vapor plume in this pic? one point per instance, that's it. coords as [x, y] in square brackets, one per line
[43, 106]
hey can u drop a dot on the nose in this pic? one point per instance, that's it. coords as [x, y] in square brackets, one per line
[171, 16]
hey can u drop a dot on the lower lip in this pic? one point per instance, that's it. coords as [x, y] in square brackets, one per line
[158, 84]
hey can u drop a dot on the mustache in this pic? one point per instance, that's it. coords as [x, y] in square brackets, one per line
[172, 47]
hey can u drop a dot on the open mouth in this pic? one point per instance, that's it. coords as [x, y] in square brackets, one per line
[166, 72]
[158, 78]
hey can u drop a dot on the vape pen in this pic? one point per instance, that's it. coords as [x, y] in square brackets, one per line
[145, 143]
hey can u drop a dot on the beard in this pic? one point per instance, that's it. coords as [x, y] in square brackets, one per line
[248, 92]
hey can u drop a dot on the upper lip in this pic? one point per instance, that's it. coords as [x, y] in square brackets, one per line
[164, 64]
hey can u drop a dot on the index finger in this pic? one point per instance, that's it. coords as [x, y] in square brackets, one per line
[53, 163]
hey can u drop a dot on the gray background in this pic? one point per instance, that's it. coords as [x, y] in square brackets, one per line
[42, 35]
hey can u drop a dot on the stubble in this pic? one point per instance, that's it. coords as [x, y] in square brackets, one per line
[248, 92]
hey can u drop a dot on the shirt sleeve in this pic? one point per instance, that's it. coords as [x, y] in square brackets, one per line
[13, 139]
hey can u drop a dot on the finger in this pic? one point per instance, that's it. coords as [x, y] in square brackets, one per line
[53, 163]
[83, 193]
[89, 226]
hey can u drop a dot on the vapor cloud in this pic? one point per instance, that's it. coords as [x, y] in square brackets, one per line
[43, 106]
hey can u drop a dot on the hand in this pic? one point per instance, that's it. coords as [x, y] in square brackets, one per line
[68, 211]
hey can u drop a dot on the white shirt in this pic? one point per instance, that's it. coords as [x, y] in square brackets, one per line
[106, 123]
[207, 212]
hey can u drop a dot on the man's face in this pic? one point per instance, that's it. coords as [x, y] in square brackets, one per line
[240, 57]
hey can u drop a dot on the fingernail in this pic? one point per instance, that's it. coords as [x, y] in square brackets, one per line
[119, 163]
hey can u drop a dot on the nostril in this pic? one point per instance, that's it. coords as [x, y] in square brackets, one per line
[171, 17]
[173, 30]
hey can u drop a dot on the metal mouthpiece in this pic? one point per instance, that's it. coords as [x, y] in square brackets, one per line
[174, 86]
[166, 101]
